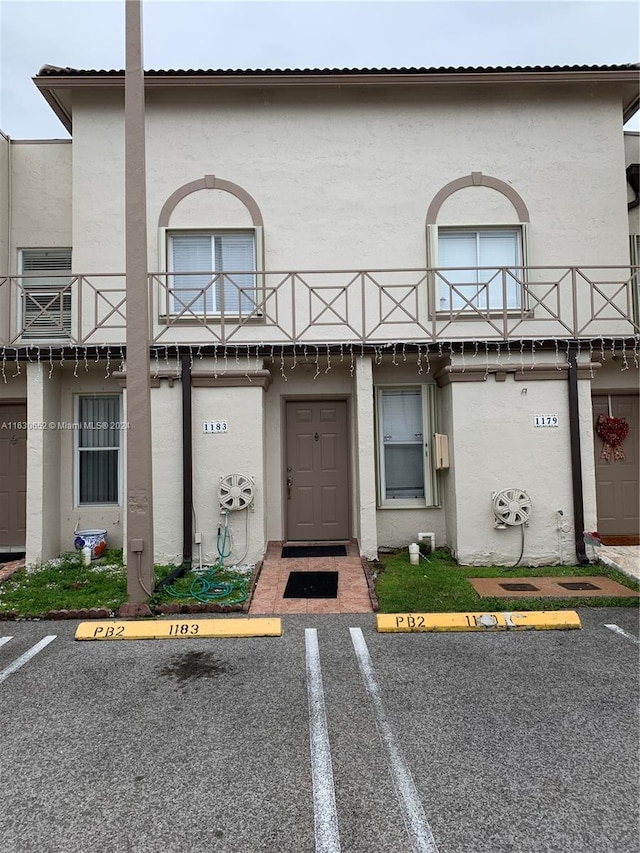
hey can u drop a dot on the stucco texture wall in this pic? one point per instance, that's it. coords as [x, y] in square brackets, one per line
[41, 194]
[376, 157]
[238, 451]
[497, 447]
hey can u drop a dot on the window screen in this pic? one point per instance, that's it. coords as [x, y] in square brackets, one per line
[98, 450]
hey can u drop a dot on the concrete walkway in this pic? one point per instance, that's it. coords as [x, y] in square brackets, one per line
[625, 558]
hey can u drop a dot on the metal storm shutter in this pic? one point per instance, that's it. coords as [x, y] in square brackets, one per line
[46, 293]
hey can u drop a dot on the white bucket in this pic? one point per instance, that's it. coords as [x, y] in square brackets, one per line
[94, 539]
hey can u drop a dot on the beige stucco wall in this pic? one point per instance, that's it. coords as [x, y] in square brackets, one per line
[238, 451]
[43, 464]
[497, 447]
[41, 194]
[379, 158]
[52, 514]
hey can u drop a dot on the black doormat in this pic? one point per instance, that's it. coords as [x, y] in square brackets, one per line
[10, 556]
[314, 551]
[312, 585]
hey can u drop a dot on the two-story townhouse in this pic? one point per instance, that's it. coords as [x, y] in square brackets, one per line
[393, 295]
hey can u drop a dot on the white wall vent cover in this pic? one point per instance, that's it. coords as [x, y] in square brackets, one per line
[235, 492]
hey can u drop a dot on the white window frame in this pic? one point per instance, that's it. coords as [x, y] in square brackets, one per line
[53, 282]
[77, 450]
[168, 307]
[433, 236]
[428, 411]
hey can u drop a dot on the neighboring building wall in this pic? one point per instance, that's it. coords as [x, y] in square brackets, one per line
[41, 194]
[40, 207]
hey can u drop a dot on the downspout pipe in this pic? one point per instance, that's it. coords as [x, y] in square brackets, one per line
[187, 475]
[187, 462]
[576, 462]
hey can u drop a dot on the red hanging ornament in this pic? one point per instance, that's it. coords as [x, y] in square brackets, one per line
[613, 432]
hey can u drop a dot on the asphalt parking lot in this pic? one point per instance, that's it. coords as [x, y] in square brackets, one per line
[330, 738]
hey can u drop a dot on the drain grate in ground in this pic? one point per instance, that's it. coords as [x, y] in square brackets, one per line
[314, 551]
[555, 587]
[312, 585]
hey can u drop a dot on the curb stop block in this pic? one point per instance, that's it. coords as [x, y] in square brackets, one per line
[534, 620]
[179, 629]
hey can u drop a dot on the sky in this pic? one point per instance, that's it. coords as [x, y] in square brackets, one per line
[301, 34]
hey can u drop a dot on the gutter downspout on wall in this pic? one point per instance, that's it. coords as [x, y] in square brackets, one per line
[187, 477]
[576, 462]
[187, 464]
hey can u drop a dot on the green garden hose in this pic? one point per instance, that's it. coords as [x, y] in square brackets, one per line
[208, 587]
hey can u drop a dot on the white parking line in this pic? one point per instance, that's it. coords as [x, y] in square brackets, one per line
[618, 630]
[415, 820]
[324, 797]
[4, 640]
[18, 662]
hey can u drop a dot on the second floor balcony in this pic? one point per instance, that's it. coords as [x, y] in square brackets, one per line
[369, 307]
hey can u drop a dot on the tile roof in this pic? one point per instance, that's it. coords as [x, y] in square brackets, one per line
[56, 71]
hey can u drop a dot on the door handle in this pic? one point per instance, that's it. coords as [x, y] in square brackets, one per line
[289, 484]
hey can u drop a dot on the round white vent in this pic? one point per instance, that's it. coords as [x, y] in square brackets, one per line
[235, 492]
[511, 506]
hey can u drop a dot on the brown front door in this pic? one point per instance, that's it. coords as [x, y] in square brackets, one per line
[317, 471]
[13, 474]
[617, 482]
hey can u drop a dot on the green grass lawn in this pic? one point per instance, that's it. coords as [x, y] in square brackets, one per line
[442, 586]
[67, 584]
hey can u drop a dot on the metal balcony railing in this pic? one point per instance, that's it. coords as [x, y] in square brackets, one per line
[329, 306]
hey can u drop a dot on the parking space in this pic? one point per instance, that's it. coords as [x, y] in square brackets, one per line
[422, 742]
